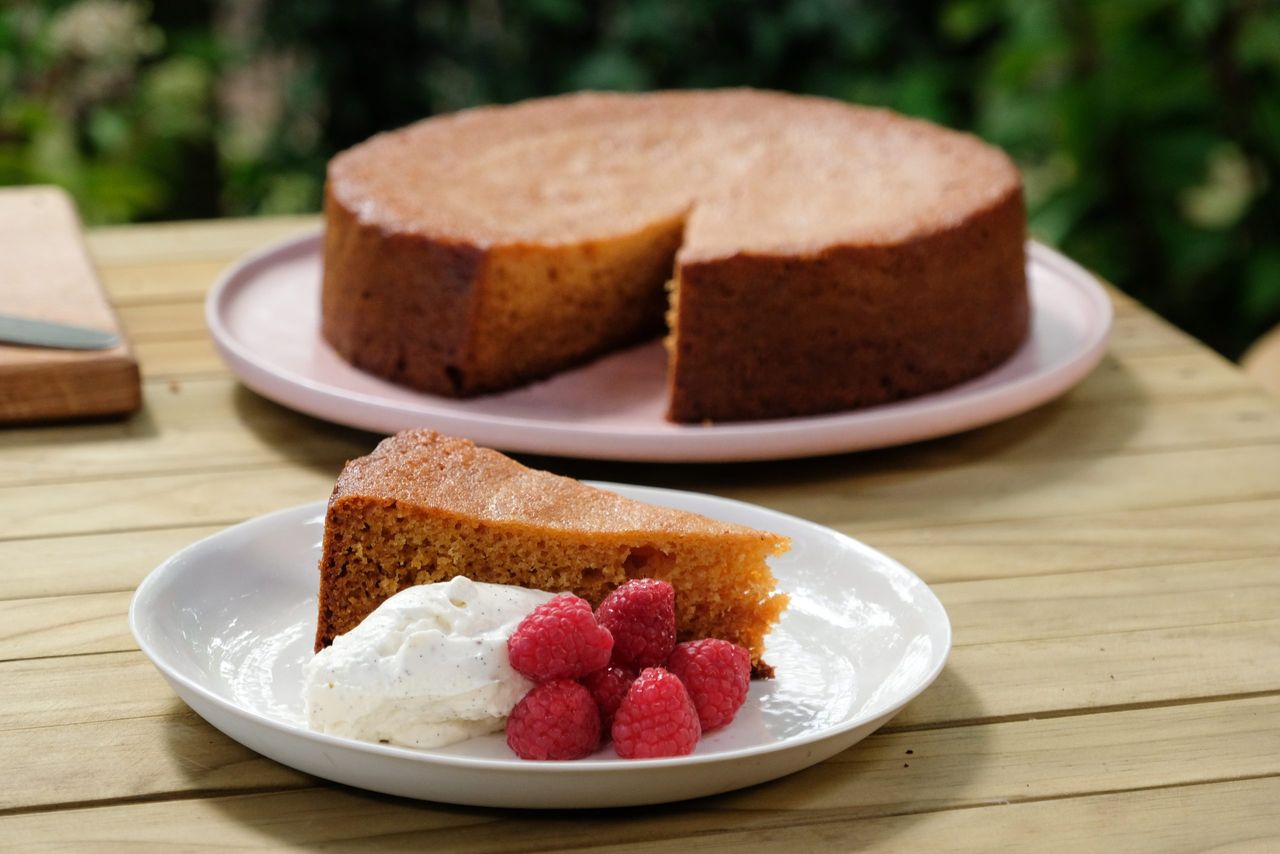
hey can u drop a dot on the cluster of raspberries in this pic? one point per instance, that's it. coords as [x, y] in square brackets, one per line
[619, 673]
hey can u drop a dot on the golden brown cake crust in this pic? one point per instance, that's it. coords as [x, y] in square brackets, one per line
[756, 336]
[481, 485]
[424, 507]
[403, 311]
[473, 252]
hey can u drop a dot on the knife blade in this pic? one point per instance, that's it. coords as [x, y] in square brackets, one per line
[61, 336]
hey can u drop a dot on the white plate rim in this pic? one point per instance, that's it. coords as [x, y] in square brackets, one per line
[580, 766]
[944, 413]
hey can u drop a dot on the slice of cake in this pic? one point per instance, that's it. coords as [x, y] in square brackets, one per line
[424, 507]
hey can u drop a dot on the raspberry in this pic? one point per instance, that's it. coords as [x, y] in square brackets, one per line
[560, 639]
[608, 686]
[717, 674]
[641, 615]
[556, 720]
[656, 718]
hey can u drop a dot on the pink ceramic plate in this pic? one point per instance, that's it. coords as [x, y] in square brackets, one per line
[263, 314]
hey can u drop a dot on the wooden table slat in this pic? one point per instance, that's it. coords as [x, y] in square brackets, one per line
[890, 773]
[1166, 819]
[183, 422]
[221, 241]
[872, 495]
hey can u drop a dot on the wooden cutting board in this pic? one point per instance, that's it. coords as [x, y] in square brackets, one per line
[46, 274]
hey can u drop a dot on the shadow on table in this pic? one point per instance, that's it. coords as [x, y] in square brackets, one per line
[302, 440]
[1099, 417]
[81, 430]
[873, 792]
[879, 487]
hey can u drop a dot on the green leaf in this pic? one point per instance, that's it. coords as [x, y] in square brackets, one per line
[610, 69]
[1262, 286]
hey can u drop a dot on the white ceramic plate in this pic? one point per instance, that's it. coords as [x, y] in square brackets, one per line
[230, 621]
[263, 314]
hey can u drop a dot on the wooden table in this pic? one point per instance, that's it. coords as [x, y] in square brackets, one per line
[1111, 564]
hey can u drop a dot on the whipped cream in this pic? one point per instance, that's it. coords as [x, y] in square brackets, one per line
[429, 667]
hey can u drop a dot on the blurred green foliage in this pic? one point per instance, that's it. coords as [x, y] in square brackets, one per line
[1148, 130]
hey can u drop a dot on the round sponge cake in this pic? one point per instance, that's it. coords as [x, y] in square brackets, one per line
[804, 255]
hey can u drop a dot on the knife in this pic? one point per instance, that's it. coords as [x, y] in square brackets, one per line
[62, 336]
